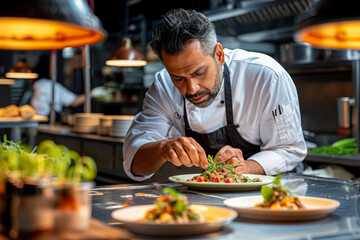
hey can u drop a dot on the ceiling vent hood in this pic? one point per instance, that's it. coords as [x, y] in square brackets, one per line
[259, 20]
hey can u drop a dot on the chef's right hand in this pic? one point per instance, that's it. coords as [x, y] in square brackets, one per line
[185, 151]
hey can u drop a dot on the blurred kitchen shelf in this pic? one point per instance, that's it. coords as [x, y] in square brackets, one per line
[350, 160]
[319, 67]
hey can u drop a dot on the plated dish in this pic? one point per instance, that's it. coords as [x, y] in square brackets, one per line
[219, 186]
[173, 215]
[315, 208]
[131, 217]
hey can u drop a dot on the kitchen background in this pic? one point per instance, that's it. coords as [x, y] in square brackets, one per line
[321, 76]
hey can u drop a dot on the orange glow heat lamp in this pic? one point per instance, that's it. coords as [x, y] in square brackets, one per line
[330, 24]
[35, 34]
[336, 35]
[48, 24]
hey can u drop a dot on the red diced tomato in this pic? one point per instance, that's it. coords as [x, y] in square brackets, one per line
[217, 180]
[230, 180]
[199, 180]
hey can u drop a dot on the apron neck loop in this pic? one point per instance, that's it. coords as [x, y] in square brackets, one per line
[228, 96]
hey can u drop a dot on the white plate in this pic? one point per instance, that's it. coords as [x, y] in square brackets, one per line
[223, 186]
[315, 208]
[217, 218]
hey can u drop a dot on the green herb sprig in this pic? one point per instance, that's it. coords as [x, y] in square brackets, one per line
[212, 165]
[268, 192]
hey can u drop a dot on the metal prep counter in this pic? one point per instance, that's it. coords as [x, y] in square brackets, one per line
[343, 223]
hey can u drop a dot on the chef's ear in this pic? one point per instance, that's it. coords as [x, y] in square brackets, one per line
[219, 54]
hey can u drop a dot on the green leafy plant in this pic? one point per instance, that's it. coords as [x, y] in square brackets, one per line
[46, 160]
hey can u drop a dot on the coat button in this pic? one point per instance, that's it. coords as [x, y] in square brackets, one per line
[222, 101]
[237, 125]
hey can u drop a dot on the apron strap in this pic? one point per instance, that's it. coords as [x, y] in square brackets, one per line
[228, 96]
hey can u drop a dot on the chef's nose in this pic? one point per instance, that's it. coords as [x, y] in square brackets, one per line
[192, 86]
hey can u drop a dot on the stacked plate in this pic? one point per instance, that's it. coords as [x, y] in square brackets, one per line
[105, 125]
[86, 122]
[120, 125]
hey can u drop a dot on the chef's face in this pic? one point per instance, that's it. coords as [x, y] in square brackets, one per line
[197, 76]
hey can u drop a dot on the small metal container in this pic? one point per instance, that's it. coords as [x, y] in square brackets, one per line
[345, 107]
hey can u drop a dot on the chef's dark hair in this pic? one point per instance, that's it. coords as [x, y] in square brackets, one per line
[180, 26]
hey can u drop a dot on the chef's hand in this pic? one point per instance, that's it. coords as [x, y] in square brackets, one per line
[185, 151]
[232, 156]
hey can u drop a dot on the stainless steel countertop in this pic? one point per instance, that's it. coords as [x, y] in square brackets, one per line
[343, 223]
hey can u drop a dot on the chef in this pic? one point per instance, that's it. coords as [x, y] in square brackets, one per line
[241, 107]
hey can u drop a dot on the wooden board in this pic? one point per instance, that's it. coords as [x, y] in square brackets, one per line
[37, 118]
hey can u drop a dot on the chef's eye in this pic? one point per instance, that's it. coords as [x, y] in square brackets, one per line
[178, 79]
[199, 74]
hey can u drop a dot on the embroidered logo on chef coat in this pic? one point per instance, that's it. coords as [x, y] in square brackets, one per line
[177, 116]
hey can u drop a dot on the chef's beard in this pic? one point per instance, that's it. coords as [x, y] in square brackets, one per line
[212, 94]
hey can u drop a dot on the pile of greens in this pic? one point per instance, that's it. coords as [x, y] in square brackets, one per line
[48, 159]
[212, 165]
[346, 146]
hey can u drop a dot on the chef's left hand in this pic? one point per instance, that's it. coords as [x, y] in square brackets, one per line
[232, 156]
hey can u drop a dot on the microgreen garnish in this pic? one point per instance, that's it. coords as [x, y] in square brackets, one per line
[214, 165]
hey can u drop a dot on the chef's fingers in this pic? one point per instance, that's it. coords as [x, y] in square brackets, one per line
[173, 157]
[178, 146]
[226, 153]
[233, 161]
[191, 149]
[203, 162]
[222, 150]
[241, 167]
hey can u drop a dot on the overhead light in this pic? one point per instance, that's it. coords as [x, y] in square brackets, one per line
[21, 71]
[48, 24]
[330, 24]
[126, 56]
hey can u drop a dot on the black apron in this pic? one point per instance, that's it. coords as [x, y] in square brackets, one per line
[227, 135]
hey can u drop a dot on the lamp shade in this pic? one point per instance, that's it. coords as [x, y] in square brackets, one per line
[126, 56]
[330, 24]
[21, 71]
[48, 24]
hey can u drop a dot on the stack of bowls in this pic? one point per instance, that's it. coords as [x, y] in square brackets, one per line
[120, 125]
[86, 122]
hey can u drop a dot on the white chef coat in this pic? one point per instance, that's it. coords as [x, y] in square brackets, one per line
[265, 106]
[41, 99]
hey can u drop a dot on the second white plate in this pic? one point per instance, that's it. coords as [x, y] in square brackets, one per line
[316, 208]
